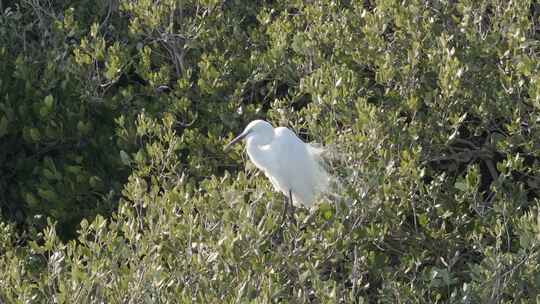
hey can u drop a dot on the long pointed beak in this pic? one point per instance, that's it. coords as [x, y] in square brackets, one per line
[235, 140]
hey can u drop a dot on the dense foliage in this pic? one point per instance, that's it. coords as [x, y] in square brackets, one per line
[114, 187]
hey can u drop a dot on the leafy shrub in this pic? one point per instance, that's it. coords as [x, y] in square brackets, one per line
[429, 111]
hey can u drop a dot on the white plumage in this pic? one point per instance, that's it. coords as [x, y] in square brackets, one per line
[290, 164]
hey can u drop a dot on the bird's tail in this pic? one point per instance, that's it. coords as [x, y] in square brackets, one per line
[320, 174]
[330, 185]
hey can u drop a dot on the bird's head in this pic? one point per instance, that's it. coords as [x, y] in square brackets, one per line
[259, 130]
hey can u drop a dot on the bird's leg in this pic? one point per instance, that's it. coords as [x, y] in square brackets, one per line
[287, 208]
[284, 213]
[291, 207]
[290, 199]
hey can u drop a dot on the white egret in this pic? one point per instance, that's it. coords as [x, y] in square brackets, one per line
[293, 166]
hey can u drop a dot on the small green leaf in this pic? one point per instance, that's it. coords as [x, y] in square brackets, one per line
[34, 134]
[461, 186]
[47, 194]
[95, 182]
[49, 101]
[126, 160]
[31, 199]
[326, 211]
[423, 220]
[3, 126]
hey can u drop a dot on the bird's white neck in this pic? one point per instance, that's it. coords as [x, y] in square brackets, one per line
[257, 152]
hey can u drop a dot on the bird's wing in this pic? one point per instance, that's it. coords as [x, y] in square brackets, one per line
[291, 164]
[280, 151]
[301, 165]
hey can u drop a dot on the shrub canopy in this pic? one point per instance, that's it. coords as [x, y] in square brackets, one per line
[114, 187]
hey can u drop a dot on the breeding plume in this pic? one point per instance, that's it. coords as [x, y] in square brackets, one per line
[293, 166]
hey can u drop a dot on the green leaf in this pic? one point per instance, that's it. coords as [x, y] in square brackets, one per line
[126, 160]
[47, 194]
[31, 200]
[3, 126]
[49, 101]
[35, 135]
[462, 186]
[327, 211]
[423, 219]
